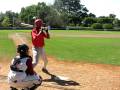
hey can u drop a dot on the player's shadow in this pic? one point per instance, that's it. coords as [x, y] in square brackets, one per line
[60, 81]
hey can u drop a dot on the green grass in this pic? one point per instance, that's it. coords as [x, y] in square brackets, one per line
[93, 50]
[7, 47]
[97, 50]
[78, 49]
[76, 32]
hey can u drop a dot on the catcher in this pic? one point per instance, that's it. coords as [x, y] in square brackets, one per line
[21, 73]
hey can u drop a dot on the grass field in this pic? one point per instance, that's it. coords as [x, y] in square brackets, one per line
[7, 47]
[68, 45]
[97, 50]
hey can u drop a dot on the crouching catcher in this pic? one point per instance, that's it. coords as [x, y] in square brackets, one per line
[21, 74]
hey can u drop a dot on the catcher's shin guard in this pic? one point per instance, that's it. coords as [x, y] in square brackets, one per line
[35, 85]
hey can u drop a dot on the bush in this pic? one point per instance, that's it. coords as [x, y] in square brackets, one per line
[97, 26]
[107, 26]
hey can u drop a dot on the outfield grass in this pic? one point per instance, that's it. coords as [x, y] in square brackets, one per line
[77, 32]
[79, 49]
[95, 50]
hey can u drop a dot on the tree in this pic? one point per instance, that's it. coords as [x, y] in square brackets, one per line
[48, 14]
[6, 22]
[104, 20]
[73, 10]
[107, 26]
[40, 10]
[91, 15]
[54, 19]
[112, 16]
[116, 23]
[2, 15]
[43, 10]
[28, 13]
[12, 17]
[88, 21]
[97, 26]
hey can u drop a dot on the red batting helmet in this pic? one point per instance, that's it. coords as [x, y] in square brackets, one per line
[38, 22]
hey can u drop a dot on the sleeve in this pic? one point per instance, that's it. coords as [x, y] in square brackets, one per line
[29, 70]
[33, 34]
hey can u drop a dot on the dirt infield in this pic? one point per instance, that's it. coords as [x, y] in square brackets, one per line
[82, 76]
[85, 76]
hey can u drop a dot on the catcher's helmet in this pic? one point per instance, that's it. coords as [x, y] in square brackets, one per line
[22, 49]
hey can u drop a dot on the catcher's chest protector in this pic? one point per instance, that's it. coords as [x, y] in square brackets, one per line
[19, 64]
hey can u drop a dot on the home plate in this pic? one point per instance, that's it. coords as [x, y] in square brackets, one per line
[61, 78]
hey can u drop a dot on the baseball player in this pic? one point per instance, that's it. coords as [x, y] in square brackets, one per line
[38, 35]
[21, 73]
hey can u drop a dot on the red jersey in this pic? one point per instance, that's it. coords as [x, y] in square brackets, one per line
[38, 39]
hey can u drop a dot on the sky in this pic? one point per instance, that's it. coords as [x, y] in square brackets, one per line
[103, 7]
[97, 7]
[16, 5]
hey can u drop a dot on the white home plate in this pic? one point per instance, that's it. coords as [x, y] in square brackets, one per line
[61, 78]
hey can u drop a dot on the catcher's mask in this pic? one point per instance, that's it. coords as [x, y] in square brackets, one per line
[22, 49]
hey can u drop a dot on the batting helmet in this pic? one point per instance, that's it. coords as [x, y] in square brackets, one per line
[38, 22]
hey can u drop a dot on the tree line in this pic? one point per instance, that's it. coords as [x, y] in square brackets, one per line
[61, 14]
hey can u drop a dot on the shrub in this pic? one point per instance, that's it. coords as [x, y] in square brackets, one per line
[97, 26]
[107, 26]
